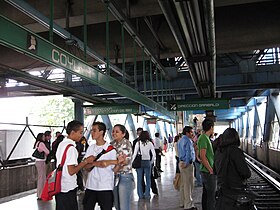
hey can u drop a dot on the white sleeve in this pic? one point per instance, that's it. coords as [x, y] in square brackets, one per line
[71, 156]
[112, 156]
[153, 152]
[89, 151]
[135, 151]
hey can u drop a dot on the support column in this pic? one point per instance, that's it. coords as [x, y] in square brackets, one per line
[151, 80]
[78, 110]
[165, 130]
[85, 30]
[274, 97]
[51, 21]
[157, 129]
[247, 130]
[131, 126]
[269, 117]
[241, 132]
[107, 121]
[171, 130]
[186, 119]
[255, 129]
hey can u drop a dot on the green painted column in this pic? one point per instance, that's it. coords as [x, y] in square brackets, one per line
[107, 40]
[144, 70]
[135, 64]
[78, 110]
[123, 53]
[51, 22]
[151, 80]
[161, 84]
[157, 83]
[85, 30]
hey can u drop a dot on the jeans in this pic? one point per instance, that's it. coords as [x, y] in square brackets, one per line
[197, 173]
[209, 191]
[146, 169]
[123, 191]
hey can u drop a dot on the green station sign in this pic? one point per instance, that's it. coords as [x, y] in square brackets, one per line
[25, 41]
[112, 109]
[198, 105]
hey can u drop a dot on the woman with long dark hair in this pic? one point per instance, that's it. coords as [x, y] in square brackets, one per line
[145, 147]
[41, 163]
[232, 171]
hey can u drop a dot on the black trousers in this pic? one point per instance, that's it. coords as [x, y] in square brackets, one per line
[158, 159]
[103, 198]
[80, 182]
[177, 164]
[153, 184]
[66, 201]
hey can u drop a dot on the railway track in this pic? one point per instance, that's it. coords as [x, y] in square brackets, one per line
[265, 184]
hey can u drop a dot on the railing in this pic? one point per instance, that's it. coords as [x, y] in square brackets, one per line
[270, 175]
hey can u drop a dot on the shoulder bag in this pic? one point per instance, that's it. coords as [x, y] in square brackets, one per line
[155, 172]
[53, 183]
[137, 160]
[176, 181]
[37, 154]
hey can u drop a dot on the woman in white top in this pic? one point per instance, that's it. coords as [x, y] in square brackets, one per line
[147, 150]
[40, 163]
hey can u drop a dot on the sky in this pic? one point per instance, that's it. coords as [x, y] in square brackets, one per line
[15, 110]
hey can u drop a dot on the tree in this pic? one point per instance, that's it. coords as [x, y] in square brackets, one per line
[56, 110]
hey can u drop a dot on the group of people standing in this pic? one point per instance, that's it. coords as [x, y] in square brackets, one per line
[223, 173]
[110, 181]
[108, 165]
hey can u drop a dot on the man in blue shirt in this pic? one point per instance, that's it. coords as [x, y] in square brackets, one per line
[186, 157]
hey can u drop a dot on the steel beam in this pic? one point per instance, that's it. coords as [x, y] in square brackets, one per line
[46, 84]
[43, 20]
[195, 36]
[119, 15]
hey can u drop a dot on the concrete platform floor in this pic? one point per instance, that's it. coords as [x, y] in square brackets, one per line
[168, 197]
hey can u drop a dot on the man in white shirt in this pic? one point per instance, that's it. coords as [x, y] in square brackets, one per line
[67, 198]
[158, 150]
[100, 181]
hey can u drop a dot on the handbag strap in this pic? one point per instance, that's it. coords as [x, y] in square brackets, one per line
[139, 150]
[64, 155]
[109, 148]
[37, 145]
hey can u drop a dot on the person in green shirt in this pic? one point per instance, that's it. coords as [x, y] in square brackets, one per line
[206, 154]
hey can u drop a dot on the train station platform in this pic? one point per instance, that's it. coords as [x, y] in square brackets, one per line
[168, 197]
